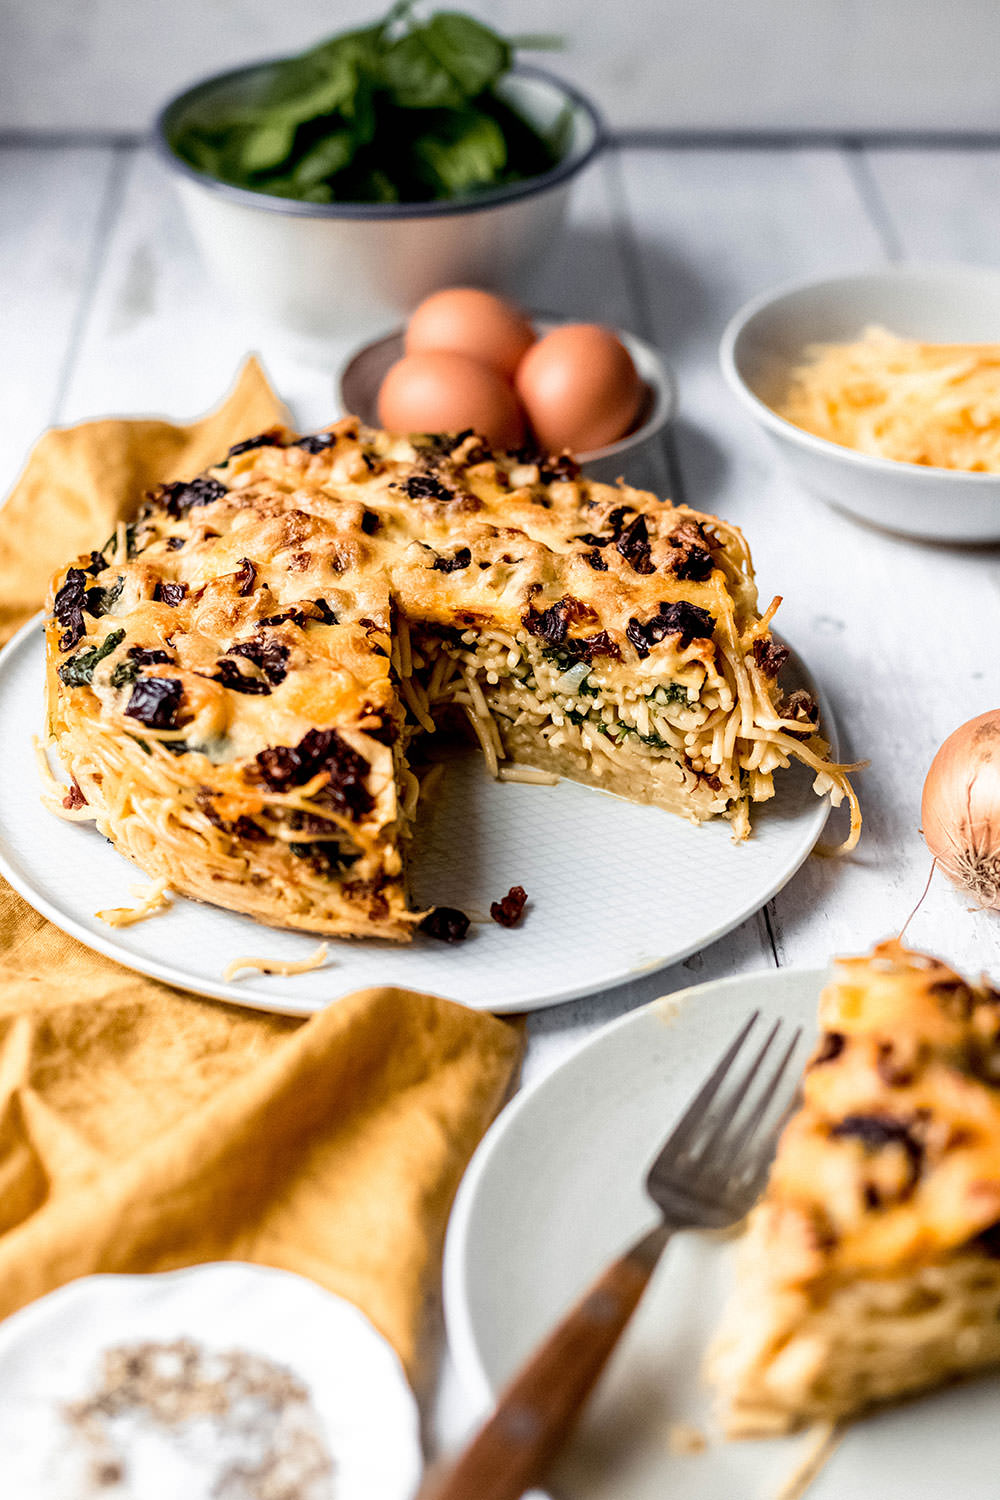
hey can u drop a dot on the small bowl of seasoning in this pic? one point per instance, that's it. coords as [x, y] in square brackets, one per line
[468, 359]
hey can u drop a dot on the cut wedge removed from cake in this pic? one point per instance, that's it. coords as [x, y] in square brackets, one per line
[239, 680]
[870, 1270]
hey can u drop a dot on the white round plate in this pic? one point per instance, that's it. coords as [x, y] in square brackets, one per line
[554, 1193]
[51, 1355]
[614, 889]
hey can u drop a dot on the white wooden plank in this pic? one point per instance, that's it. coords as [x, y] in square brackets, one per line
[51, 208]
[942, 204]
[898, 633]
[590, 275]
[159, 336]
[554, 1034]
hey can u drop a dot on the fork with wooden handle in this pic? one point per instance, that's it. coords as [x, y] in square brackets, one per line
[707, 1176]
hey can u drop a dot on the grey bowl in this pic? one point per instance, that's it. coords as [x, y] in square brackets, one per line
[631, 457]
[321, 270]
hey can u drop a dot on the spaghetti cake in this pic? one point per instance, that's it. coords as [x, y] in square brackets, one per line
[235, 681]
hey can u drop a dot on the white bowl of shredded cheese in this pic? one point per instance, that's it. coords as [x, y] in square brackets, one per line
[882, 392]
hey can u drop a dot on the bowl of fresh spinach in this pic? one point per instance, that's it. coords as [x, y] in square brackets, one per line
[332, 189]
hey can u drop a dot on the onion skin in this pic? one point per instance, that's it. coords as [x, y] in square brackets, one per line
[960, 808]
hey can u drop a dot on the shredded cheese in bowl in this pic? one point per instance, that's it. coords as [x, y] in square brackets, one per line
[919, 403]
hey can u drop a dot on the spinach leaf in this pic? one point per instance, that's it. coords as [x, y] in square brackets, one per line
[79, 669]
[400, 111]
[445, 63]
[329, 155]
[468, 151]
[265, 146]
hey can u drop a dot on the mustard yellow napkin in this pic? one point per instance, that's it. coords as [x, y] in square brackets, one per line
[142, 1129]
[79, 481]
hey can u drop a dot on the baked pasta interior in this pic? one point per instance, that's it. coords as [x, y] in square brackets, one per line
[871, 1267]
[242, 683]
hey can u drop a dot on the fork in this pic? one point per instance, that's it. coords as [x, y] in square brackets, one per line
[707, 1175]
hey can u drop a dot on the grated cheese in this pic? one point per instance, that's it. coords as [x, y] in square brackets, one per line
[919, 403]
[316, 960]
[149, 899]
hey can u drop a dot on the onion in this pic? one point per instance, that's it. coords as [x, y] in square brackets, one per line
[571, 680]
[961, 808]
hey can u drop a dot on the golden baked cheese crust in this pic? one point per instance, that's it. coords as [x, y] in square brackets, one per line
[235, 679]
[872, 1264]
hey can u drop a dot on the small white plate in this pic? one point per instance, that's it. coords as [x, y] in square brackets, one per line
[51, 1355]
[555, 1192]
[614, 889]
[943, 304]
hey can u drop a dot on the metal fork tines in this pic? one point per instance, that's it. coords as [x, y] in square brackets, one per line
[715, 1161]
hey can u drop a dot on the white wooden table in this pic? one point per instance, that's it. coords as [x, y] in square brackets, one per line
[107, 310]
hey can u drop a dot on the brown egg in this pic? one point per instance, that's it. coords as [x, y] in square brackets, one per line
[440, 391]
[579, 387]
[474, 323]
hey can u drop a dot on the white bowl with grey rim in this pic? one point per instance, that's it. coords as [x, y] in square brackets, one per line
[636, 457]
[322, 270]
[768, 337]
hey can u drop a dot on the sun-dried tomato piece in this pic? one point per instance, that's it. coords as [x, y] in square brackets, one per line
[509, 910]
[426, 487]
[169, 593]
[875, 1133]
[246, 576]
[74, 798]
[769, 656]
[68, 608]
[317, 442]
[181, 496]
[282, 766]
[145, 656]
[155, 702]
[270, 655]
[689, 621]
[446, 923]
[277, 767]
[633, 544]
[830, 1048]
[245, 828]
[461, 559]
[694, 564]
[229, 675]
[270, 439]
[552, 626]
[97, 564]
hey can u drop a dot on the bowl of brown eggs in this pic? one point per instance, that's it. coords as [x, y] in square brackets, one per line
[469, 359]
